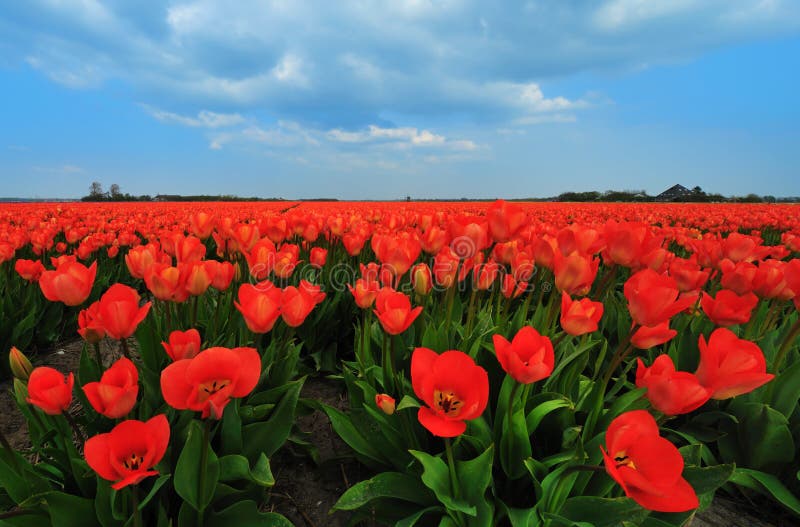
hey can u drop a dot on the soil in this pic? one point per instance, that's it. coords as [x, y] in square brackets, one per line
[305, 490]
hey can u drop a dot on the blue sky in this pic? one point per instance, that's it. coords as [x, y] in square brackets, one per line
[364, 99]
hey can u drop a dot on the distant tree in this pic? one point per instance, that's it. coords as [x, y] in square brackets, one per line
[114, 192]
[697, 190]
[96, 189]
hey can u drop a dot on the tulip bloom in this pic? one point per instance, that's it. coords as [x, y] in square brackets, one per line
[730, 366]
[394, 312]
[728, 308]
[50, 390]
[207, 382]
[298, 302]
[653, 298]
[199, 276]
[505, 220]
[579, 317]
[30, 270]
[528, 358]
[141, 258]
[647, 466]
[688, 275]
[223, 273]
[648, 336]
[90, 327]
[260, 305]
[115, 394]
[127, 454]
[421, 279]
[119, 312]
[317, 257]
[574, 273]
[452, 386]
[364, 292]
[71, 283]
[670, 392]
[183, 344]
[166, 282]
[385, 402]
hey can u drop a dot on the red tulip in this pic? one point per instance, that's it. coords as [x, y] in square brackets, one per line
[298, 302]
[90, 327]
[115, 394]
[394, 312]
[364, 292]
[738, 277]
[207, 382]
[30, 270]
[223, 274]
[71, 283]
[670, 392]
[653, 298]
[198, 276]
[505, 220]
[485, 275]
[574, 273]
[183, 344]
[510, 288]
[119, 312]
[317, 257]
[730, 366]
[398, 253]
[688, 275]
[261, 259]
[50, 390]
[166, 282]
[260, 305]
[127, 454]
[648, 336]
[445, 268]
[647, 466]
[728, 308]
[579, 317]
[141, 258]
[528, 357]
[452, 386]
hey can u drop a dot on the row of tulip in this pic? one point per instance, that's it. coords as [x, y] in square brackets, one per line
[509, 395]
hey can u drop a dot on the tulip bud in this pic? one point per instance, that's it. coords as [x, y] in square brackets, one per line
[21, 367]
[421, 279]
[385, 402]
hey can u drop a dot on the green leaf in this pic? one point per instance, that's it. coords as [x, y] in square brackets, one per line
[410, 521]
[764, 436]
[67, 510]
[407, 402]
[535, 416]
[188, 470]
[344, 427]
[236, 468]
[602, 512]
[153, 491]
[394, 485]
[786, 390]
[246, 514]
[707, 479]
[475, 475]
[436, 477]
[268, 436]
[766, 484]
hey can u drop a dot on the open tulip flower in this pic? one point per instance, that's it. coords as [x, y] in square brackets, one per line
[115, 394]
[654, 298]
[529, 357]
[730, 366]
[394, 312]
[207, 382]
[670, 392]
[183, 344]
[579, 317]
[453, 387]
[647, 466]
[260, 305]
[128, 453]
[728, 308]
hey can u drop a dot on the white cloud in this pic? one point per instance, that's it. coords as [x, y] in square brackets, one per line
[204, 118]
[63, 169]
[290, 70]
[400, 137]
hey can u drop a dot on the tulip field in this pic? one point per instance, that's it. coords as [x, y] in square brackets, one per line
[499, 363]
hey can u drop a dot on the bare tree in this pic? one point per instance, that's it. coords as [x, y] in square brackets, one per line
[114, 190]
[96, 189]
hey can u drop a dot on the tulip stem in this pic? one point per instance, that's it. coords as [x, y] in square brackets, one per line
[453, 477]
[201, 480]
[509, 415]
[125, 349]
[98, 357]
[137, 514]
[471, 311]
[450, 297]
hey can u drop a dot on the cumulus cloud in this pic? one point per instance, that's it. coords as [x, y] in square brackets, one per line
[345, 64]
[204, 118]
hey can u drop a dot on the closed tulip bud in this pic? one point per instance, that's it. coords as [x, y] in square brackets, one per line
[421, 279]
[385, 402]
[21, 367]
[317, 257]
[50, 390]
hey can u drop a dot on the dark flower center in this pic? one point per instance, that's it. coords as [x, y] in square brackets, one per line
[447, 402]
[133, 462]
